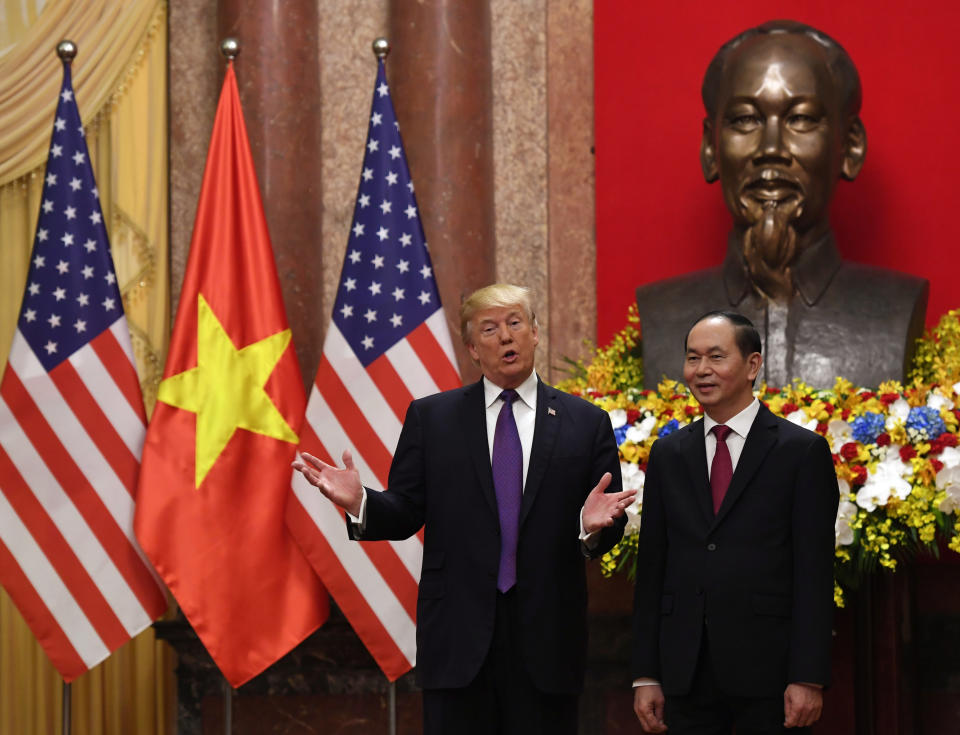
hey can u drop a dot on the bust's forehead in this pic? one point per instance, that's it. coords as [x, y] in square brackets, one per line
[787, 56]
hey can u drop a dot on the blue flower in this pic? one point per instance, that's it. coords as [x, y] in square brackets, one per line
[668, 428]
[620, 433]
[926, 422]
[868, 427]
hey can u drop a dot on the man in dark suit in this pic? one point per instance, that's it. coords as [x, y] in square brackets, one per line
[734, 586]
[499, 474]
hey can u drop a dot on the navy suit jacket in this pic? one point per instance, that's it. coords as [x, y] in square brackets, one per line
[441, 479]
[756, 578]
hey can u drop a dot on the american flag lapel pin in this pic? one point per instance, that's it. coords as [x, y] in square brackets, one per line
[551, 412]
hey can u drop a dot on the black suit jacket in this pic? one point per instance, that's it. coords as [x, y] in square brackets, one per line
[441, 479]
[757, 578]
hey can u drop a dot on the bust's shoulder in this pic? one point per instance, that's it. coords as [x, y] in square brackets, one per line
[708, 281]
[860, 277]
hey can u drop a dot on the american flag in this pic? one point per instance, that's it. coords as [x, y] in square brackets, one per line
[72, 426]
[388, 343]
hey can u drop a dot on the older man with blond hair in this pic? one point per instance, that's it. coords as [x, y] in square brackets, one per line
[514, 483]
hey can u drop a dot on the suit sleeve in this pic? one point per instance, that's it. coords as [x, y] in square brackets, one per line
[399, 511]
[814, 516]
[606, 458]
[648, 582]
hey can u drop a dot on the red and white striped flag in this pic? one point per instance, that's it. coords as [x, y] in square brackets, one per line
[72, 426]
[387, 344]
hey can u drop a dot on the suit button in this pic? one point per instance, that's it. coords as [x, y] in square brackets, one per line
[711, 547]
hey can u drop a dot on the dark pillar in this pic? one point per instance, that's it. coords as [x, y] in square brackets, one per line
[439, 71]
[278, 73]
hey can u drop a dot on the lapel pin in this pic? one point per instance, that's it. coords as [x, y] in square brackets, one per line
[551, 412]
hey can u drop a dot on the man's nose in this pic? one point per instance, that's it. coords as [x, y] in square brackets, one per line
[503, 333]
[771, 143]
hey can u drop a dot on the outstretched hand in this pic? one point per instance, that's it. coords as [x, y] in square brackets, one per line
[342, 486]
[601, 508]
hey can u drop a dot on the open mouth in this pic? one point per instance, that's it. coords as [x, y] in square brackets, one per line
[510, 356]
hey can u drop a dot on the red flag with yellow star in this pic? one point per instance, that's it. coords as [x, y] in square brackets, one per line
[215, 474]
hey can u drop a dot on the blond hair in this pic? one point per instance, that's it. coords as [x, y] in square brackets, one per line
[495, 295]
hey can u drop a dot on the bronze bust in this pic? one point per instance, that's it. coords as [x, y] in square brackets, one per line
[782, 125]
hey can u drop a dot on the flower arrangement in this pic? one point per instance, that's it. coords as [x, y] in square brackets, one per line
[896, 448]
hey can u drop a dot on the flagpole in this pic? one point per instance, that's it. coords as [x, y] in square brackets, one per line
[227, 707]
[67, 51]
[65, 710]
[381, 47]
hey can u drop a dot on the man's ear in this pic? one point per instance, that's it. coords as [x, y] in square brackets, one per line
[708, 153]
[854, 150]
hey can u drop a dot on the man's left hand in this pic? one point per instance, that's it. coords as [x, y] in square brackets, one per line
[601, 509]
[802, 704]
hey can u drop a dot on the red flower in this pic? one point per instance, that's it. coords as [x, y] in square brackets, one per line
[883, 439]
[668, 412]
[907, 453]
[948, 440]
[937, 465]
[822, 427]
[845, 414]
[849, 451]
[633, 415]
[867, 395]
[859, 475]
[888, 398]
[677, 397]
[691, 410]
[829, 408]
[789, 408]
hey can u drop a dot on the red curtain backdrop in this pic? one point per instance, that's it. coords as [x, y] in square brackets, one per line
[656, 217]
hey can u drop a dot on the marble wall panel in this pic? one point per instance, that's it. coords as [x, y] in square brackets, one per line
[519, 54]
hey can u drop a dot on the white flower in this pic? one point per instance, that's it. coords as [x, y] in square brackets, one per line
[618, 417]
[951, 503]
[844, 488]
[839, 433]
[950, 456]
[633, 519]
[898, 411]
[799, 417]
[956, 388]
[872, 495]
[846, 512]
[639, 434]
[633, 478]
[936, 401]
[885, 481]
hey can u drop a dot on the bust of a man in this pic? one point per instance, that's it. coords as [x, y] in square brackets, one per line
[782, 126]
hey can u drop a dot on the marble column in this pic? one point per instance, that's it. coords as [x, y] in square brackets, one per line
[278, 73]
[439, 72]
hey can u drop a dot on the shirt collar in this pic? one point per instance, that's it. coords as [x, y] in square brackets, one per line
[812, 273]
[527, 391]
[740, 423]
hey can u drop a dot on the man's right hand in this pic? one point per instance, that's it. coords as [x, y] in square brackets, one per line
[342, 486]
[648, 704]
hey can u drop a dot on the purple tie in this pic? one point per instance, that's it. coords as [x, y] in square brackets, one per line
[721, 469]
[507, 467]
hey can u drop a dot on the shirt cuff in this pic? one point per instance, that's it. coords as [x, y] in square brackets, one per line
[645, 682]
[590, 540]
[359, 521]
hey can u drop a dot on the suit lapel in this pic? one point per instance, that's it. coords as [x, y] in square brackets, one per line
[760, 440]
[475, 426]
[695, 452]
[546, 427]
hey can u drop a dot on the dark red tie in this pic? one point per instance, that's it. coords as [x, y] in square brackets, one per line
[721, 469]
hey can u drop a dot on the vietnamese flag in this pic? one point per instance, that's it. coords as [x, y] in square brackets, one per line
[215, 475]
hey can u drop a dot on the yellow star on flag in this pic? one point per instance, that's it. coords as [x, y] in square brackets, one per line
[225, 389]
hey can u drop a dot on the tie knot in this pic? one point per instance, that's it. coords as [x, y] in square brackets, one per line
[721, 432]
[508, 396]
